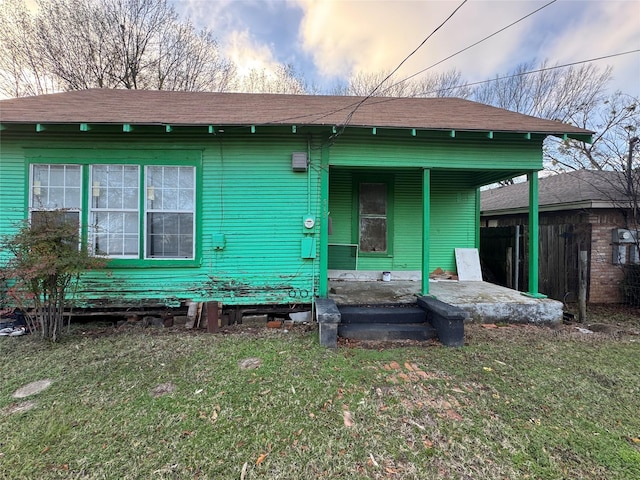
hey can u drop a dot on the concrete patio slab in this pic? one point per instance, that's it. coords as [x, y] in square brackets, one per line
[483, 301]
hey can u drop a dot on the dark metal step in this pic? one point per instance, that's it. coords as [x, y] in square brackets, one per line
[397, 314]
[387, 331]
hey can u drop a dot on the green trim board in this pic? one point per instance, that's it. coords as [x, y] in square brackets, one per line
[426, 231]
[533, 292]
[473, 154]
[323, 287]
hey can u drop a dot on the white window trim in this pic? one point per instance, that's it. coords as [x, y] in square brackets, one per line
[92, 210]
[149, 210]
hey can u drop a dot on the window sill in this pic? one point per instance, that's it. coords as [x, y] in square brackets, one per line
[152, 263]
[375, 255]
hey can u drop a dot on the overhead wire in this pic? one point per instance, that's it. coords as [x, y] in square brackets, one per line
[355, 105]
[361, 102]
[472, 45]
[519, 74]
[321, 115]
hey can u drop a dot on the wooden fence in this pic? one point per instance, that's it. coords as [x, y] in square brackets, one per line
[558, 266]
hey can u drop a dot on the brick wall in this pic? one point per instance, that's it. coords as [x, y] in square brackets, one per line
[606, 278]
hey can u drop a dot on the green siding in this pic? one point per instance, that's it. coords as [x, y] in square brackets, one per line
[249, 195]
[12, 190]
[453, 153]
[248, 192]
[453, 218]
[407, 247]
[341, 205]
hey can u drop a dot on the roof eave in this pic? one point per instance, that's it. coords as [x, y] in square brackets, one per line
[413, 130]
[557, 207]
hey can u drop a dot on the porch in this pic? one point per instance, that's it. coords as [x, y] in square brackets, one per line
[484, 302]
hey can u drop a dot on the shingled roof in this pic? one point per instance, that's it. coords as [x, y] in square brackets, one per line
[148, 107]
[567, 191]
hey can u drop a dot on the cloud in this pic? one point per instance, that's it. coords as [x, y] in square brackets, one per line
[247, 53]
[329, 40]
[604, 28]
[344, 37]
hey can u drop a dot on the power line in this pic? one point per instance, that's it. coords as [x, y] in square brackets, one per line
[521, 74]
[359, 104]
[380, 100]
[472, 45]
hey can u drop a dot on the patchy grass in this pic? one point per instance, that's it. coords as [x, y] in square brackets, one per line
[516, 402]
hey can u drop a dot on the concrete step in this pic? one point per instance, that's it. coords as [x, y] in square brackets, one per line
[395, 314]
[387, 331]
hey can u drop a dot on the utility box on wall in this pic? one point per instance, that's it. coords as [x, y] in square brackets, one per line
[308, 247]
[218, 240]
[299, 161]
[622, 235]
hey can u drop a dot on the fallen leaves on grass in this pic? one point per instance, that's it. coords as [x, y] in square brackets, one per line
[249, 363]
[453, 415]
[163, 389]
[261, 458]
[18, 407]
[347, 417]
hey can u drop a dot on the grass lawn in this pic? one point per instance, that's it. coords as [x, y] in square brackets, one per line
[516, 402]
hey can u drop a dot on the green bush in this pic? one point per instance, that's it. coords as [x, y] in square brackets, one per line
[44, 266]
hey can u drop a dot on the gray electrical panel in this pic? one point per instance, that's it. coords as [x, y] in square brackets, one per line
[299, 161]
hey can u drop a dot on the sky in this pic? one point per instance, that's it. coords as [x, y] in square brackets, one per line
[326, 41]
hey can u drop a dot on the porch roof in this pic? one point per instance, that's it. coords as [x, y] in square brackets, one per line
[166, 108]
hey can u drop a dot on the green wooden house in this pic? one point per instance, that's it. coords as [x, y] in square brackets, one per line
[251, 199]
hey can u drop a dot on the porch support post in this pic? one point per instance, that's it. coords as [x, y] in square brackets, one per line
[533, 236]
[323, 284]
[426, 220]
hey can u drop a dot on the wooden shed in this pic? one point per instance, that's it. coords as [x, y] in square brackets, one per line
[250, 199]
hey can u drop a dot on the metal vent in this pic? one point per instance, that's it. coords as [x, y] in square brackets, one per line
[299, 161]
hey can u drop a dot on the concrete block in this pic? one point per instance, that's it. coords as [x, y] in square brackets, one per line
[300, 316]
[328, 335]
[327, 311]
[448, 320]
[254, 320]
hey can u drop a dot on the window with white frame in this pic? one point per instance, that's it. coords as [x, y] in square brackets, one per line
[115, 204]
[134, 211]
[170, 212]
[55, 187]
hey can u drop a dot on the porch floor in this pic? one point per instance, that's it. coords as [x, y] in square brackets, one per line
[483, 301]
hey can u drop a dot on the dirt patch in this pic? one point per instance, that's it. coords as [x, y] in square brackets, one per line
[163, 389]
[32, 388]
[249, 363]
[19, 407]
